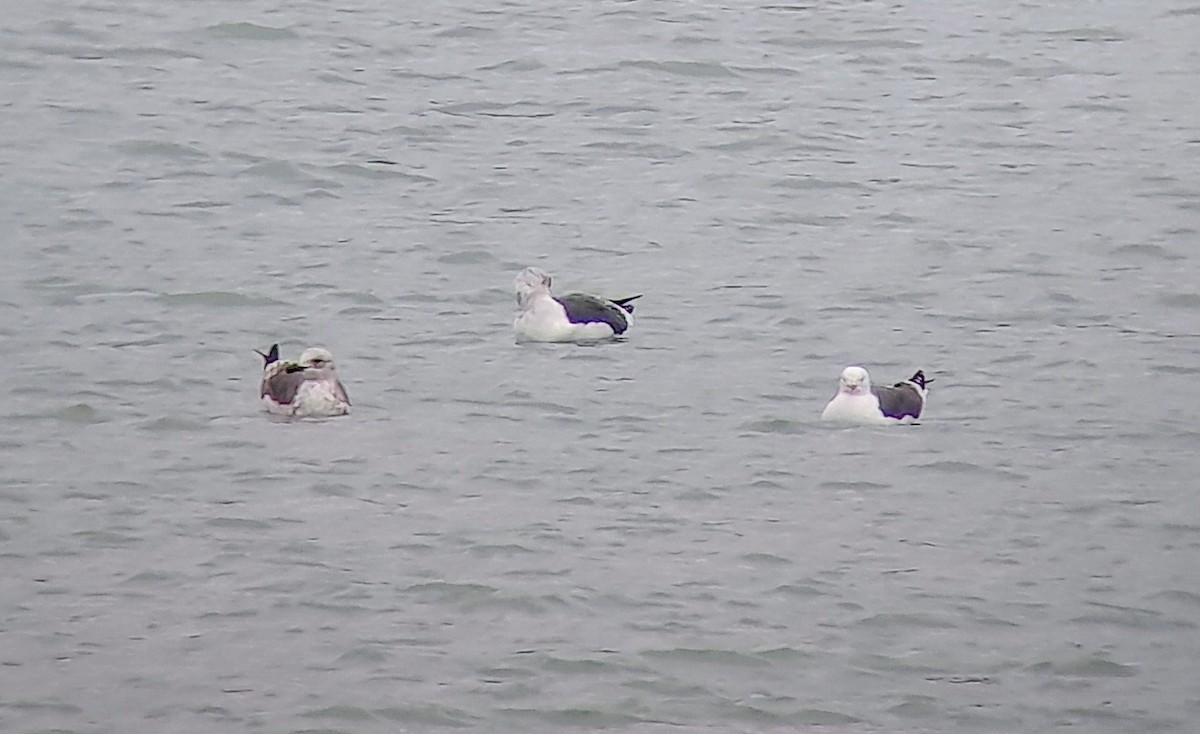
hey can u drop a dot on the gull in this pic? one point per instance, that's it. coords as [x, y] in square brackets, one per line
[306, 387]
[575, 317]
[857, 401]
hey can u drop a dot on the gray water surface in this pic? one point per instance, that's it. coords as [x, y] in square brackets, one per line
[654, 535]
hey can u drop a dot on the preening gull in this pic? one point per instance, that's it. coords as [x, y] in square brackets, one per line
[307, 387]
[575, 317]
[858, 402]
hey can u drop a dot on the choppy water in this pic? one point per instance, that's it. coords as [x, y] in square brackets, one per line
[655, 535]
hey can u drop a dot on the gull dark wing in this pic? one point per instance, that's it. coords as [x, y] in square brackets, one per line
[584, 309]
[283, 384]
[341, 393]
[900, 401]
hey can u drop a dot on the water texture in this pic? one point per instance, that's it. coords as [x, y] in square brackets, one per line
[649, 536]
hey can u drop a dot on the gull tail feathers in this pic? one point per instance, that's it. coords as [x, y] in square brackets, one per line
[919, 379]
[625, 302]
[271, 357]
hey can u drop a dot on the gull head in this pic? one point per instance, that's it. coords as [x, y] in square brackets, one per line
[530, 281]
[317, 358]
[854, 381]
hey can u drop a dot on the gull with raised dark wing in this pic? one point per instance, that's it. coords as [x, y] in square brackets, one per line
[305, 387]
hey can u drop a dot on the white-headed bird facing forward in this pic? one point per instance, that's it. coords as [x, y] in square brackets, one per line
[857, 401]
[308, 387]
[575, 317]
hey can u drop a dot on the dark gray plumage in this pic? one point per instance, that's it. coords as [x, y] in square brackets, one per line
[284, 383]
[904, 399]
[582, 308]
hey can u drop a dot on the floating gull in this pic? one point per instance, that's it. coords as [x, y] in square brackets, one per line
[308, 387]
[575, 317]
[858, 402]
